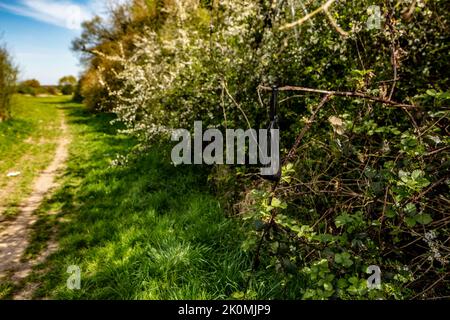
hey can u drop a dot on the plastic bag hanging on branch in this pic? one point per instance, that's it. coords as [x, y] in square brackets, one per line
[273, 140]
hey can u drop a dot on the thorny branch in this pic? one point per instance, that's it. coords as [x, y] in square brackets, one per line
[354, 94]
[323, 8]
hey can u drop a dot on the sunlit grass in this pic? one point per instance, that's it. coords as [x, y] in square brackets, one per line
[27, 144]
[146, 230]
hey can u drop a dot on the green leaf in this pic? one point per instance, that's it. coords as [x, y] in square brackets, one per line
[410, 221]
[343, 259]
[276, 203]
[416, 174]
[342, 220]
[424, 218]
[410, 208]
[328, 286]
[342, 283]
[390, 213]
[238, 295]
[324, 237]
[353, 280]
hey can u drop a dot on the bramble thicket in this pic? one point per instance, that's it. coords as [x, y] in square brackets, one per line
[364, 122]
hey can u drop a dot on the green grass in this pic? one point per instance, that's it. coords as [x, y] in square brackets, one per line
[27, 143]
[146, 230]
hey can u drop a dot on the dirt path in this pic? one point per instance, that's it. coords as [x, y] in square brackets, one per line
[14, 238]
[11, 185]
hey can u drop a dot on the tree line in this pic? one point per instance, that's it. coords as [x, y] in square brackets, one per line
[9, 73]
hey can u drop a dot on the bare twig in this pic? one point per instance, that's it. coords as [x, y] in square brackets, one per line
[408, 13]
[353, 94]
[305, 129]
[323, 7]
[308, 17]
[431, 187]
[224, 86]
[431, 286]
[291, 153]
[333, 22]
[393, 55]
[436, 151]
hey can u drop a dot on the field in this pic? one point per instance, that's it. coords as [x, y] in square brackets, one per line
[141, 230]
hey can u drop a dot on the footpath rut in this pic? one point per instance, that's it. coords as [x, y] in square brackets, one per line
[14, 237]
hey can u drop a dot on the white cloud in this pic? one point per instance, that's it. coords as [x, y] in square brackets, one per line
[65, 13]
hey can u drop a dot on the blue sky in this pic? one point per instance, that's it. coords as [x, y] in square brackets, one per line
[38, 33]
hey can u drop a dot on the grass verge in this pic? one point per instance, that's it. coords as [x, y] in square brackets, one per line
[146, 230]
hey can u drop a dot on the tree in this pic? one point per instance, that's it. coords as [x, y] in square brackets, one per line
[52, 90]
[77, 94]
[32, 83]
[30, 86]
[68, 80]
[67, 84]
[8, 77]
[110, 35]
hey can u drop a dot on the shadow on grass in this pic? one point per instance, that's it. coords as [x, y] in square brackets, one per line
[145, 230]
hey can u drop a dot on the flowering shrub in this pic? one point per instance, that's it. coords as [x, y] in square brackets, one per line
[368, 184]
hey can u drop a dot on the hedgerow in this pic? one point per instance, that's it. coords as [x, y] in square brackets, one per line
[364, 127]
